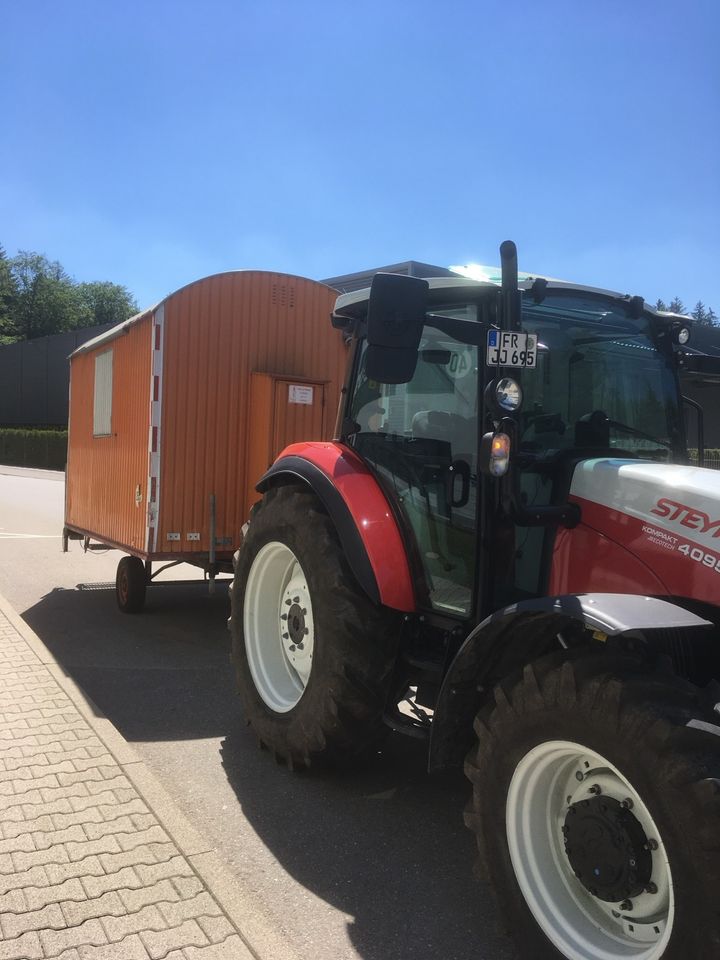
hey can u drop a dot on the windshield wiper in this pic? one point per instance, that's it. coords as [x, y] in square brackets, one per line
[633, 432]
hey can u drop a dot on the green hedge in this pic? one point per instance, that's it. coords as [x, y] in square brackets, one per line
[42, 449]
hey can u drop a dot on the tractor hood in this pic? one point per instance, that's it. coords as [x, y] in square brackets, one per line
[666, 516]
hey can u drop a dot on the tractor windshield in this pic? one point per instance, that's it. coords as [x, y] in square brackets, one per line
[601, 381]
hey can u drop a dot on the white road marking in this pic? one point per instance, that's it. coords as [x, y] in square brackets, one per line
[30, 536]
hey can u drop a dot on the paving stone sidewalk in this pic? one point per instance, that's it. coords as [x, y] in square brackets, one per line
[88, 869]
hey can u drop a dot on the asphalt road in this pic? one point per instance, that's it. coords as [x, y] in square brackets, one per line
[374, 863]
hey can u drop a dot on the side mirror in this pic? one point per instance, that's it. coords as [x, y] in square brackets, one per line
[396, 313]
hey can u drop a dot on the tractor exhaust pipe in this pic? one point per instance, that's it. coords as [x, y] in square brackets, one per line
[510, 295]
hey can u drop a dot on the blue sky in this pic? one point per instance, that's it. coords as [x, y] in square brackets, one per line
[154, 143]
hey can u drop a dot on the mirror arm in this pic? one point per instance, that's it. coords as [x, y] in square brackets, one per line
[701, 428]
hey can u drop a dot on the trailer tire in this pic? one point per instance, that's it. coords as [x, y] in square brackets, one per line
[313, 684]
[130, 585]
[576, 766]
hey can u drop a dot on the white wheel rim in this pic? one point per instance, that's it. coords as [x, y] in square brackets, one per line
[547, 782]
[278, 627]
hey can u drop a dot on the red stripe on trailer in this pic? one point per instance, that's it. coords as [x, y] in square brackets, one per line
[157, 336]
[154, 439]
[373, 517]
[156, 388]
[153, 489]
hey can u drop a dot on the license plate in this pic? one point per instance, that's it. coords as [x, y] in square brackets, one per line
[506, 349]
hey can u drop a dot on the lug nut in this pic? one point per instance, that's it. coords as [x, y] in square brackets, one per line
[627, 803]
[651, 888]
[579, 775]
[596, 789]
[292, 648]
[286, 636]
[626, 905]
[652, 844]
[283, 616]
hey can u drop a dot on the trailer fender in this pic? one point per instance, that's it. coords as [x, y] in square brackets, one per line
[368, 531]
[518, 634]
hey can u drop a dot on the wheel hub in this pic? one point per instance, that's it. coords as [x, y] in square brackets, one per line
[296, 624]
[607, 849]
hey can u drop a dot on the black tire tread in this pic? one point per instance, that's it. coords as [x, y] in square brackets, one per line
[342, 715]
[134, 569]
[628, 704]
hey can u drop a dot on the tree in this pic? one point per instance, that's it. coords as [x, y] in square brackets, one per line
[7, 299]
[704, 316]
[105, 302]
[46, 299]
[38, 298]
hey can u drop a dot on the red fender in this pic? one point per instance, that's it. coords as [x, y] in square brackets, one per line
[368, 506]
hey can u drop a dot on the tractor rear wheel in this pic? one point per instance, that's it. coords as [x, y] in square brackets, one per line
[597, 812]
[313, 654]
[130, 585]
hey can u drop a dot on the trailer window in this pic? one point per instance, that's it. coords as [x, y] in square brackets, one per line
[102, 407]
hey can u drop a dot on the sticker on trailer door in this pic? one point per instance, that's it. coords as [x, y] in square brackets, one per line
[508, 349]
[300, 394]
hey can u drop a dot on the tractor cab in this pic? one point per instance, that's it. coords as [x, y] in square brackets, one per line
[506, 553]
[473, 402]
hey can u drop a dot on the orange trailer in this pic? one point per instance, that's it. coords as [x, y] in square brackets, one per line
[175, 414]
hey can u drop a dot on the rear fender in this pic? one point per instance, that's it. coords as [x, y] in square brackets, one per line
[504, 642]
[363, 519]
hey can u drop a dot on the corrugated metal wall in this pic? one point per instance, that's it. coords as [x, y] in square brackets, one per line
[219, 331]
[212, 336]
[106, 491]
[34, 377]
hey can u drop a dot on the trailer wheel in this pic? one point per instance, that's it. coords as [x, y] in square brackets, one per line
[130, 585]
[313, 655]
[596, 808]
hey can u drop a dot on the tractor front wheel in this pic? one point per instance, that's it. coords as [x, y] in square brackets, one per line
[597, 812]
[313, 655]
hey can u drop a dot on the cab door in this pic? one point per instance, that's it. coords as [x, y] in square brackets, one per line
[421, 437]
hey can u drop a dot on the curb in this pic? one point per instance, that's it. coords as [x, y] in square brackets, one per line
[254, 928]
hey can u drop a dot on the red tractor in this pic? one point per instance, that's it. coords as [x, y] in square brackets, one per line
[507, 552]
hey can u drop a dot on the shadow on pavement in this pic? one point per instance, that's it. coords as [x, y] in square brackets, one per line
[384, 843]
[159, 675]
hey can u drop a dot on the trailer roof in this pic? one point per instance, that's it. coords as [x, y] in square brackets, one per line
[119, 329]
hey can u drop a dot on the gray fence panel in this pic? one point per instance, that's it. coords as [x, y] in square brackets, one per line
[33, 387]
[10, 383]
[35, 378]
